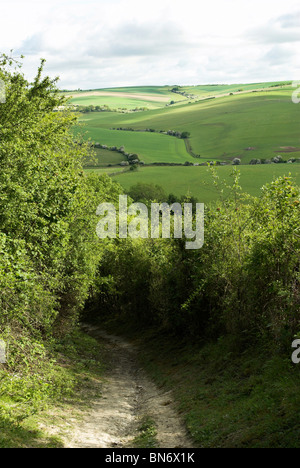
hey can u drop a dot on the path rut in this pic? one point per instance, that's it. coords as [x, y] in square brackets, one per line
[127, 395]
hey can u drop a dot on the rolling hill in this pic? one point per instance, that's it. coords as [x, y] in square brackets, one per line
[249, 121]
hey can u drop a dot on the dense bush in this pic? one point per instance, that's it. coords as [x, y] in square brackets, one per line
[49, 251]
[47, 210]
[244, 281]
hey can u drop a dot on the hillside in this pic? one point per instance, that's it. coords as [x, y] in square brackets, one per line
[151, 97]
[244, 124]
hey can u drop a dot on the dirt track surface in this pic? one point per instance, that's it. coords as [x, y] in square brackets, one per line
[127, 395]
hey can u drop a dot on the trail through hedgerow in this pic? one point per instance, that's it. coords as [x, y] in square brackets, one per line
[128, 395]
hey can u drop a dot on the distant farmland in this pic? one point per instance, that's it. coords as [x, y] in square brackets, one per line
[150, 147]
[151, 97]
[197, 181]
[247, 121]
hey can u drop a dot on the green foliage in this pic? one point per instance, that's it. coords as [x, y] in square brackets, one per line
[244, 281]
[145, 192]
[230, 397]
[49, 250]
[31, 379]
[40, 376]
[47, 210]
[147, 432]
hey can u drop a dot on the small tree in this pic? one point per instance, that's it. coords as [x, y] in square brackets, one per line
[278, 159]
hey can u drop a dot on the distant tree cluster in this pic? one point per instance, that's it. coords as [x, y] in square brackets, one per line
[175, 133]
[105, 108]
[92, 108]
[276, 160]
[178, 90]
[147, 193]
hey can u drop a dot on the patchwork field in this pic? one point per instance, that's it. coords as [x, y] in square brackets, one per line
[248, 121]
[220, 129]
[152, 97]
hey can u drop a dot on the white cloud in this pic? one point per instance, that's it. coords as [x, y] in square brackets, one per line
[282, 30]
[102, 43]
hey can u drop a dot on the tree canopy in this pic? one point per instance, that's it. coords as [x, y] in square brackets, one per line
[47, 205]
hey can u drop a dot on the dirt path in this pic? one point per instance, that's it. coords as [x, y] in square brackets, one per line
[127, 395]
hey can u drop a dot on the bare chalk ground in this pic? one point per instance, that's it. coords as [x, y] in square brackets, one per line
[127, 395]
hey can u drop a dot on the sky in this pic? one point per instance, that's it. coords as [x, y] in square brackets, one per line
[109, 43]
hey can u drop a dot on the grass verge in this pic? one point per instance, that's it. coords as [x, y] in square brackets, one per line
[38, 400]
[147, 432]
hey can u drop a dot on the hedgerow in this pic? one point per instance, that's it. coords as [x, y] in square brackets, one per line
[49, 251]
[243, 282]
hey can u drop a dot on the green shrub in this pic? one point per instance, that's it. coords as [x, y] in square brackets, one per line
[244, 281]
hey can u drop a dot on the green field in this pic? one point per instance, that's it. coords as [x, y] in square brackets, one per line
[198, 182]
[154, 97]
[151, 97]
[221, 129]
[104, 158]
[150, 147]
[248, 121]
[116, 102]
[104, 170]
[214, 90]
